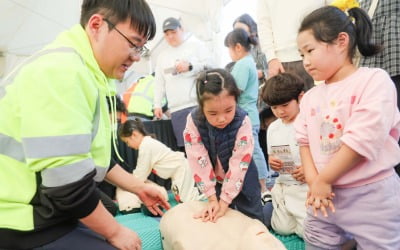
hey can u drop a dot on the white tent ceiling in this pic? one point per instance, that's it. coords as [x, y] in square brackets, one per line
[28, 25]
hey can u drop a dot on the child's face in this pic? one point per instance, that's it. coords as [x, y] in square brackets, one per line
[321, 60]
[132, 141]
[220, 110]
[287, 112]
[235, 52]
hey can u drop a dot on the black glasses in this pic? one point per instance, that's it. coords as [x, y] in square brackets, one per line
[136, 50]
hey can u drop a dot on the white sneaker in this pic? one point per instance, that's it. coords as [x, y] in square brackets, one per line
[266, 197]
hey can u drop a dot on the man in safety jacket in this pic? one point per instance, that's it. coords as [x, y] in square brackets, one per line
[139, 98]
[55, 134]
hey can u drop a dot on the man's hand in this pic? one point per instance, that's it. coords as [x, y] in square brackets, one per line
[158, 113]
[152, 199]
[125, 239]
[182, 66]
[275, 67]
[260, 74]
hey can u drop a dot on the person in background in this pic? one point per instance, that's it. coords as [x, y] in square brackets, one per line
[245, 73]
[55, 133]
[386, 26]
[155, 157]
[347, 129]
[283, 93]
[176, 70]
[266, 118]
[107, 190]
[139, 98]
[247, 23]
[278, 22]
[219, 145]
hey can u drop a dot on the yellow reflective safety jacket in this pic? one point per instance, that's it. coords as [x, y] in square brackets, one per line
[55, 136]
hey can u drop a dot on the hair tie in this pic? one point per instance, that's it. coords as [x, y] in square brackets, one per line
[219, 76]
[345, 5]
[205, 81]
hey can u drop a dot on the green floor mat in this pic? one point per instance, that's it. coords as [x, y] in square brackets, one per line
[291, 242]
[146, 227]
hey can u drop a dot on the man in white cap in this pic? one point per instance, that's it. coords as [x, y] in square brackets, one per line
[176, 69]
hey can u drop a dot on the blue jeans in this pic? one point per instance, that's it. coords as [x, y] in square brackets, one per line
[258, 156]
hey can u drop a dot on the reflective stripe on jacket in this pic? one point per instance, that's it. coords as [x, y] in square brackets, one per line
[54, 131]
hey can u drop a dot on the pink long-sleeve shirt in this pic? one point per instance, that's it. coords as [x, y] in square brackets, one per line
[359, 111]
[205, 175]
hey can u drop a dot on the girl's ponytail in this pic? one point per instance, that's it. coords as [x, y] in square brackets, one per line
[363, 28]
[253, 39]
[240, 36]
[327, 22]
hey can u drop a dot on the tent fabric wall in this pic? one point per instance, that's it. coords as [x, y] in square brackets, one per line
[28, 25]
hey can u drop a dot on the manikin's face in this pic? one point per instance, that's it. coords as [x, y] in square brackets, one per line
[113, 52]
[287, 112]
[220, 110]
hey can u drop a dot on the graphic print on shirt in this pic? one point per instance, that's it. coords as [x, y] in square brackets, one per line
[202, 161]
[239, 185]
[242, 142]
[245, 162]
[227, 176]
[189, 141]
[330, 132]
[212, 176]
[199, 183]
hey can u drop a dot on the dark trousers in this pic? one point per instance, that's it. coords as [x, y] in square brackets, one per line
[80, 238]
[108, 203]
[178, 120]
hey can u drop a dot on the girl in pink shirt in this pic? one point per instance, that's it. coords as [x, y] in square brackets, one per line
[347, 129]
[219, 146]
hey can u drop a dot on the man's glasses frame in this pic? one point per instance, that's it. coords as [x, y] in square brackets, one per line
[136, 50]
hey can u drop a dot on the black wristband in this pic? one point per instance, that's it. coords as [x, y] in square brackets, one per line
[190, 67]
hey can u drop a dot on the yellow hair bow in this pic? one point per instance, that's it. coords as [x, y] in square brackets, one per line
[345, 4]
